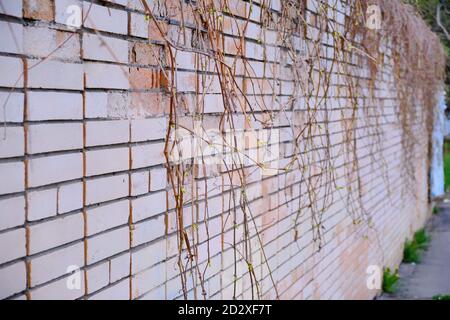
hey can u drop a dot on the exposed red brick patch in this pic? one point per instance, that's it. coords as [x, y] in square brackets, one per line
[39, 9]
[142, 78]
[146, 54]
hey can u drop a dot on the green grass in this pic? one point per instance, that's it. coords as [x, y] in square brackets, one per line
[390, 280]
[436, 210]
[411, 253]
[446, 165]
[442, 297]
[413, 249]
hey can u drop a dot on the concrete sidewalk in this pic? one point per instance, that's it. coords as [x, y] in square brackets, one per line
[431, 277]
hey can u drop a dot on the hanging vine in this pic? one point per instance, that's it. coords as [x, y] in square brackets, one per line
[335, 67]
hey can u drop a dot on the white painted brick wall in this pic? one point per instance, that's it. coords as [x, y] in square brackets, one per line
[50, 169]
[97, 47]
[41, 42]
[147, 155]
[106, 161]
[118, 291]
[55, 106]
[140, 182]
[12, 142]
[108, 244]
[106, 76]
[11, 109]
[89, 164]
[13, 172]
[12, 245]
[148, 129]
[12, 40]
[138, 25]
[11, 8]
[148, 230]
[13, 279]
[96, 105]
[107, 216]
[97, 277]
[12, 212]
[55, 75]
[107, 132]
[54, 137]
[120, 267]
[149, 206]
[70, 197]
[42, 204]
[51, 234]
[106, 188]
[56, 263]
[11, 70]
[105, 19]
[59, 290]
[64, 11]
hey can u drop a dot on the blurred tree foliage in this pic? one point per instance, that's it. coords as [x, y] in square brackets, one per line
[428, 9]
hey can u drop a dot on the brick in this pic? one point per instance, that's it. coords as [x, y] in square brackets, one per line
[148, 230]
[107, 161]
[107, 244]
[118, 291]
[14, 175]
[144, 104]
[146, 54]
[142, 78]
[12, 212]
[105, 19]
[108, 216]
[119, 2]
[12, 37]
[55, 106]
[38, 9]
[97, 277]
[41, 42]
[51, 169]
[119, 267]
[56, 263]
[147, 280]
[154, 34]
[69, 12]
[11, 70]
[11, 8]
[158, 179]
[148, 129]
[155, 294]
[107, 132]
[185, 60]
[149, 206]
[11, 109]
[96, 47]
[12, 142]
[60, 290]
[147, 155]
[13, 279]
[51, 234]
[106, 188]
[12, 245]
[50, 137]
[138, 25]
[96, 105]
[148, 256]
[55, 75]
[106, 76]
[42, 204]
[140, 182]
[70, 197]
